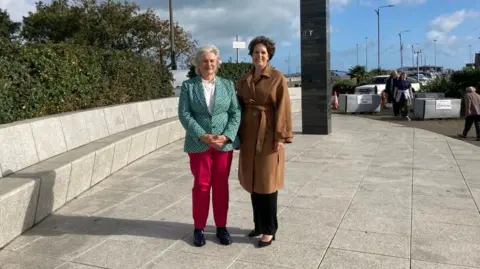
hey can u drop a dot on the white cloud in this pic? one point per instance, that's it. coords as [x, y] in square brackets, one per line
[295, 27]
[441, 37]
[442, 26]
[340, 2]
[411, 2]
[448, 22]
[442, 29]
[17, 8]
[219, 25]
[339, 5]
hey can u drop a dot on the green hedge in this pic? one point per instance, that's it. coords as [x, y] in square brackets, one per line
[454, 85]
[44, 79]
[229, 70]
[344, 86]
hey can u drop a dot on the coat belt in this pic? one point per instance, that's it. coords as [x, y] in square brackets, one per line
[262, 128]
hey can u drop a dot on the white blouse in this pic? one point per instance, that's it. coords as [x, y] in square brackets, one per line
[209, 90]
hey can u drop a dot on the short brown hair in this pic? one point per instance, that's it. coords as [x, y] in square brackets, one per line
[267, 42]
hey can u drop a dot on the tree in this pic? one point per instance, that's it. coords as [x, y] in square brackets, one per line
[55, 22]
[359, 73]
[184, 44]
[109, 25]
[8, 28]
[380, 71]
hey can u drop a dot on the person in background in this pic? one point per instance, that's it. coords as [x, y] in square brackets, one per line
[265, 128]
[472, 112]
[390, 89]
[208, 110]
[403, 95]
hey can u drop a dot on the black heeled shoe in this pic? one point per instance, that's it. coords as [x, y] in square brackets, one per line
[253, 233]
[262, 244]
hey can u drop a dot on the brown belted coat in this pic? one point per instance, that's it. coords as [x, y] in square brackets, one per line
[266, 118]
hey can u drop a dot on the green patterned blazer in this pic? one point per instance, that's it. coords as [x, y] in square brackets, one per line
[196, 119]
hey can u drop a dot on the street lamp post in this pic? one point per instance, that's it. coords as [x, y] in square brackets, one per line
[366, 53]
[413, 61]
[435, 53]
[418, 65]
[401, 47]
[172, 37]
[378, 33]
[470, 54]
[413, 53]
[357, 55]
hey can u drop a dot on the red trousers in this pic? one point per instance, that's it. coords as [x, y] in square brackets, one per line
[210, 170]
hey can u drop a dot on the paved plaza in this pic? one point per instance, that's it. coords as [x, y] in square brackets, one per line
[370, 195]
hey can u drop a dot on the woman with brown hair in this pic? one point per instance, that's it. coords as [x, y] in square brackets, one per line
[265, 127]
[403, 95]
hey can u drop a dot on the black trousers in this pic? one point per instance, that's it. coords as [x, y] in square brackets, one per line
[403, 106]
[469, 121]
[396, 109]
[265, 212]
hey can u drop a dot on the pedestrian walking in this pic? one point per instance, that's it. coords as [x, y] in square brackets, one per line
[472, 112]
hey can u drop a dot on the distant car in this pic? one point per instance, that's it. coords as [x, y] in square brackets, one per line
[421, 77]
[377, 85]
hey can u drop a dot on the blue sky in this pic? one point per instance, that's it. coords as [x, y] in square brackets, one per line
[454, 23]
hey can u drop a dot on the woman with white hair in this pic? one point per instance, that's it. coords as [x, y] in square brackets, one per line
[208, 110]
[472, 112]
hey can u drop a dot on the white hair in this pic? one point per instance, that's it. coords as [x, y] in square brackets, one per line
[471, 89]
[206, 49]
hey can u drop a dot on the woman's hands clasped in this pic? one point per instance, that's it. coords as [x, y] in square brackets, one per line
[216, 141]
[277, 146]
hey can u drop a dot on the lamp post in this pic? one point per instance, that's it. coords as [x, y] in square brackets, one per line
[378, 33]
[435, 53]
[401, 48]
[418, 66]
[470, 54]
[357, 54]
[366, 53]
[172, 37]
[413, 53]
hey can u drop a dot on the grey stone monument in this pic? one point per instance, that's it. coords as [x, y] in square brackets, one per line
[315, 58]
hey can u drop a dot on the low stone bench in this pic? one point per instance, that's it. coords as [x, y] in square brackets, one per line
[46, 162]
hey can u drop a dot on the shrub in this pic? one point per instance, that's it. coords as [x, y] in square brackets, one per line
[455, 85]
[466, 78]
[229, 70]
[344, 86]
[44, 79]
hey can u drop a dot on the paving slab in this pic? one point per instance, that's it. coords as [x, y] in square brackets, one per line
[372, 194]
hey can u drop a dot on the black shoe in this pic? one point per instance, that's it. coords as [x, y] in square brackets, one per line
[253, 233]
[262, 244]
[198, 238]
[461, 136]
[223, 236]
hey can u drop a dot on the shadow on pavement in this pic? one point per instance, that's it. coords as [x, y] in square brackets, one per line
[59, 225]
